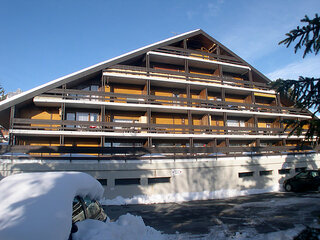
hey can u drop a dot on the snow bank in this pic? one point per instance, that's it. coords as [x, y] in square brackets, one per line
[38, 206]
[187, 196]
[126, 227]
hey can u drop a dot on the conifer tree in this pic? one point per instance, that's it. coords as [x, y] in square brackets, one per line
[304, 92]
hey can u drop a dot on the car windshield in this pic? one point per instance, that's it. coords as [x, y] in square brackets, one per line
[314, 174]
[302, 175]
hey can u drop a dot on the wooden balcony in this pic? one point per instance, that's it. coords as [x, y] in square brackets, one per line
[127, 154]
[87, 127]
[60, 95]
[127, 71]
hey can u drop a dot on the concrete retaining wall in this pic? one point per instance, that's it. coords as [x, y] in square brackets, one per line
[179, 176]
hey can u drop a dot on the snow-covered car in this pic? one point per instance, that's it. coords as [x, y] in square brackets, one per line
[39, 206]
[304, 181]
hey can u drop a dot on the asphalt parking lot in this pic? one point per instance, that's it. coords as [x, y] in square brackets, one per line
[264, 213]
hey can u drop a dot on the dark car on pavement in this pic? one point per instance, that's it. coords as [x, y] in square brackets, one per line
[307, 180]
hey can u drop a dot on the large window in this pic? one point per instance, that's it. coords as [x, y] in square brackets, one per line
[82, 116]
[86, 96]
[235, 123]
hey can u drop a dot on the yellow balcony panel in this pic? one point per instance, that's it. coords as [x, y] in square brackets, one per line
[265, 95]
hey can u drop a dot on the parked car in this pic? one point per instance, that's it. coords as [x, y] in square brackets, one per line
[85, 208]
[304, 181]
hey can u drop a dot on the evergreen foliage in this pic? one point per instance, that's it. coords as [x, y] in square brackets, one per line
[309, 36]
[304, 93]
[3, 96]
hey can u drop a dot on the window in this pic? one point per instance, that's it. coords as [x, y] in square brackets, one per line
[94, 117]
[81, 116]
[301, 169]
[284, 171]
[71, 117]
[302, 175]
[87, 97]
[265, 173]
[245, 174]
[235, 123]
[103, 182]
[126, 144]
[94, 88]
[159, 180]
[127, 181]
[90, 88]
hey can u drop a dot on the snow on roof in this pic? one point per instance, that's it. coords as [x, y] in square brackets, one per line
[38, 206]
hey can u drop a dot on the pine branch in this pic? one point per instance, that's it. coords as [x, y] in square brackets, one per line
[303, 34]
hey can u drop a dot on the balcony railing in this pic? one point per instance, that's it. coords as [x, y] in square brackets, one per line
[199, 54]
[192, 77]
[142, 128]
[100, 96]
[141, 153]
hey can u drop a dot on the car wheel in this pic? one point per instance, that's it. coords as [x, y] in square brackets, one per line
[288, 187]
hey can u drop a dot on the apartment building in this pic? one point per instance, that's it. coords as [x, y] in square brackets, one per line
[182, 115]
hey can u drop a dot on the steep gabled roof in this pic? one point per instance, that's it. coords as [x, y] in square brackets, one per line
[6, 104]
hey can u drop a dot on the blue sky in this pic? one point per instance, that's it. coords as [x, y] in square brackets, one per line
[43, 40]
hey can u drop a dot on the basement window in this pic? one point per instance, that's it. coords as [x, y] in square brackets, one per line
[159, 180]
[127, 181]
[284, 171]
[265, 173]
[245, 174]
[301, 169]
[104, 182]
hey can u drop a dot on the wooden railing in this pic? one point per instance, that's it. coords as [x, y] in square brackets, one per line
[159, 73]
[116, 127]
[130, 153]
[100, 96]
[203, 55]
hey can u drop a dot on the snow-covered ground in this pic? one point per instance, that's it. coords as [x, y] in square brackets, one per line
[187, 196]
[129, 227]
[38, 206]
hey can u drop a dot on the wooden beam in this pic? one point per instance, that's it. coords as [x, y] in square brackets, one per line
[11, 124]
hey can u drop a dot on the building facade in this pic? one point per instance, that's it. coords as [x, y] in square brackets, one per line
[182, 115]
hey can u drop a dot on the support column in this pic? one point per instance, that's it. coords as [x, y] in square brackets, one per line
[255, 123]
[223, 95]
[188, 90]
[227, 142]
[278, 102]
[147, 63]
[258, 142]
[63, 113]
[103, 120]
[12, 115]
[250, 78]
[219, 66]
[149, 143]
[190, 122]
